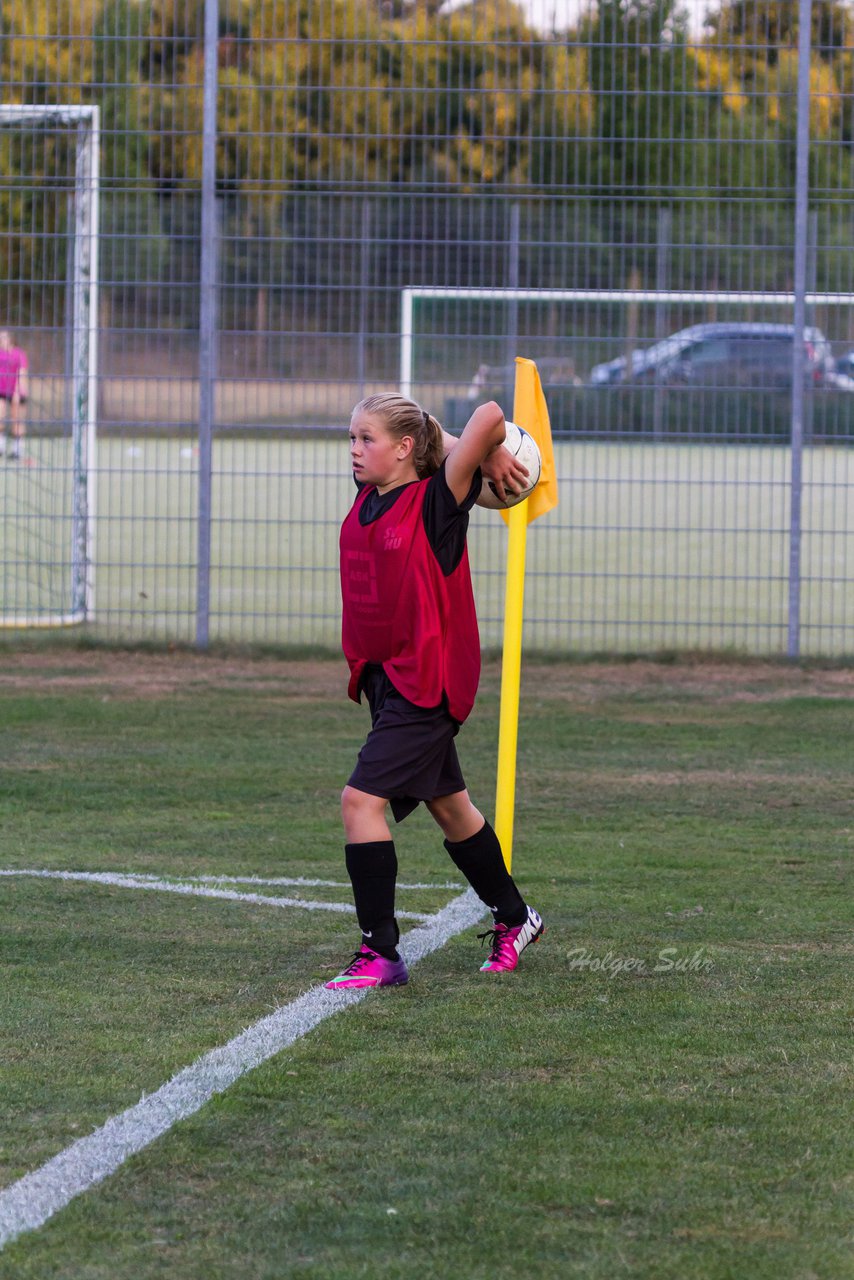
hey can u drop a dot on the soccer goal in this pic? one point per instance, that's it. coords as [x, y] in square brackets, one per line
[450, 336]
[49, 186]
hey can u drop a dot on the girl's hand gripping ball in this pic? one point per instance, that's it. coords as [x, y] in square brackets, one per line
[523, 446]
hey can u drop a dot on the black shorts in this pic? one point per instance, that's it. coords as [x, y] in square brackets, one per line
[9, 399]
[409, 754]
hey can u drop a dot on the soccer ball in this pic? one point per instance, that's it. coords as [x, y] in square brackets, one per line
[524, 446]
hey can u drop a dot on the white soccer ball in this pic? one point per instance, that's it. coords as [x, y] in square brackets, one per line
[524, 446]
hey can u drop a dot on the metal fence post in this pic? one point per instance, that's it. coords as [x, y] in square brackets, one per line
[207, 318]
[511, 342]
[661, 325]
[799, 318]
[364, 286]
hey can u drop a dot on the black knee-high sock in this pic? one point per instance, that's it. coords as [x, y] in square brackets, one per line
[481, 862]
[372, 868]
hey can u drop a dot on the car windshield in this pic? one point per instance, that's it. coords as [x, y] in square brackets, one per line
[665, 350]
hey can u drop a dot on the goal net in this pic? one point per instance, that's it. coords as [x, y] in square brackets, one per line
[49, 307]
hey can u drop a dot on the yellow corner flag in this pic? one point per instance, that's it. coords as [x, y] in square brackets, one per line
[530, 412]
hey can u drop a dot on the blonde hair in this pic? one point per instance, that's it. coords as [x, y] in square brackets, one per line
[403, 417]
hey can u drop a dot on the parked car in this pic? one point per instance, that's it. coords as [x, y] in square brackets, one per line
[733, 355]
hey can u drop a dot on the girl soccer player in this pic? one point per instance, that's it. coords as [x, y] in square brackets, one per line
[411, 641]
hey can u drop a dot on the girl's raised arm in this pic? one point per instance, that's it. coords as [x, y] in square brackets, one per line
[483, 433]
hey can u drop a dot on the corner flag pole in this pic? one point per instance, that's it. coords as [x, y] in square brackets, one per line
[531, 413]
[511, 676]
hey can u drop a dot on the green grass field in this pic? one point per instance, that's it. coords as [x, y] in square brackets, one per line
[662, 1090]
[652, 547]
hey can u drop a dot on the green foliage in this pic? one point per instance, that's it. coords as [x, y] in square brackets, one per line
[631, 60]
[764, 27]
[387, 95]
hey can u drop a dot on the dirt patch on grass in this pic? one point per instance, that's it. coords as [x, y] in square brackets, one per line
[139, 672]
[699, 778]
[713, 680]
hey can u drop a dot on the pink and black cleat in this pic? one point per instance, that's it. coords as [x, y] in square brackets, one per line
[367, 969]
[507, 944]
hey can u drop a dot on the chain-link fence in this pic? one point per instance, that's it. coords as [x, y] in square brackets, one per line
[222, 223]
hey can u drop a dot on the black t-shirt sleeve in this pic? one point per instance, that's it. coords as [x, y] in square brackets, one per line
[446, 522]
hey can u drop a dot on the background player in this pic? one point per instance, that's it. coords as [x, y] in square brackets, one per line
[14, 389]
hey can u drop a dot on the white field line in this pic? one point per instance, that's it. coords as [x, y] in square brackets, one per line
[129, 880]
[28, 1203]
[298, 881]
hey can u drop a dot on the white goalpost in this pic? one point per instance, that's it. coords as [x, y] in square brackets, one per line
[48, 537]
[510, 297]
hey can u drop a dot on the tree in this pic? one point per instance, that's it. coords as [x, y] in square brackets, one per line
[767, 27]
[642, 82]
